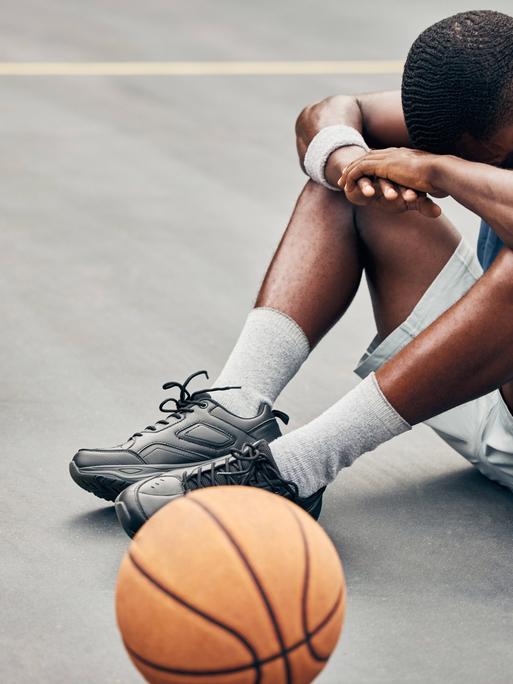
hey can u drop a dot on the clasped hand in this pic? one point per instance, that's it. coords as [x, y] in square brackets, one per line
[396, 179]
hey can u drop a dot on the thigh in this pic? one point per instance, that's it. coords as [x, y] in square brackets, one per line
[402, 255]
[456, 277]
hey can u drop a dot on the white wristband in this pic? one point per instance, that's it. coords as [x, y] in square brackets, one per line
[323, 144]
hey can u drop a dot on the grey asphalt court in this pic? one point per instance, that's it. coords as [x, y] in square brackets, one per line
[137, 216]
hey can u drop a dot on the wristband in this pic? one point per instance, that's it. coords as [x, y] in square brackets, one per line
[323, 144]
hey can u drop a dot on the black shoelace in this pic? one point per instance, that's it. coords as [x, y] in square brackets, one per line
[247, 467]
[184, 404]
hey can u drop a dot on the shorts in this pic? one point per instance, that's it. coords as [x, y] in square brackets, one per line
[482, 429]
[489, 245]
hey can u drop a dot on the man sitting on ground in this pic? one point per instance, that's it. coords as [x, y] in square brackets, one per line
[444, 347]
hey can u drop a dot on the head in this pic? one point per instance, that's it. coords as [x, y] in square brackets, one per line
[457, 89]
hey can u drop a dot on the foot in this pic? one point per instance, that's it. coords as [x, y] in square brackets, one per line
[254, 466]
[197, 430]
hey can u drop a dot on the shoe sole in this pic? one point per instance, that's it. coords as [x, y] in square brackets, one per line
[133, 518]
[107, 482]
[130, 522]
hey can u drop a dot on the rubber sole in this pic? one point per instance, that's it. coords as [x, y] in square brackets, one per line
[103, 487]
[131, 517]
[107, 482]
[106, 485]
[128, 522]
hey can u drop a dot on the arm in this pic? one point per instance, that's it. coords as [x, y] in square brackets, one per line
[485, 190]
[377, 116]
[482, 188]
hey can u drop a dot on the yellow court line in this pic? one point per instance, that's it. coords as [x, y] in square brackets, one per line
[353, 67]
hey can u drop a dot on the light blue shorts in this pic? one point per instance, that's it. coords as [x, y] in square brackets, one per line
[480, 430]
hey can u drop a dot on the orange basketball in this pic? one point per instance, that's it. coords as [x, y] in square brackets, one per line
[230, 585]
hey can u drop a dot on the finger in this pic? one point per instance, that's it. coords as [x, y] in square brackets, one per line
[366, 187]
[356, 197]
[418, 193]
[352, 166]
[364, 168]
[409, 195]
[373, 156]
[388, 190]
[427, 207]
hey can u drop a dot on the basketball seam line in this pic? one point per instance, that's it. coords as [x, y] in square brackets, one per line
[304, 598]
[209, 618]
[257, 662]
[257, 582]
[306, 582]
[243, 668]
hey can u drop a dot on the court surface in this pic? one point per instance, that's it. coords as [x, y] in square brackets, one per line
[137, 216]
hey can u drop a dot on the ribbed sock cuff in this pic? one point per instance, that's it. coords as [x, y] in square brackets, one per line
[286, 325]
[359, 422]
[270, 350]
[381, 407]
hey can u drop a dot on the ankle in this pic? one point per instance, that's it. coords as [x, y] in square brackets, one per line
[244, 403]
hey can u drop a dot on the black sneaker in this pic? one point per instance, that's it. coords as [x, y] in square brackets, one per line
[197, 430]
[253, 466]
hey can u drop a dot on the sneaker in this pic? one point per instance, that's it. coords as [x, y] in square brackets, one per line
[253, 466]
[197, 430]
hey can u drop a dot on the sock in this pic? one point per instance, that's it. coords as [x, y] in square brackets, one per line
[359, 422]
[270, 350]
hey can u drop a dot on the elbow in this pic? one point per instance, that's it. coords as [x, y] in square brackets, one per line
[305, 129]
[310, 119]
[322, 113]
[304, 118]
[317, 115]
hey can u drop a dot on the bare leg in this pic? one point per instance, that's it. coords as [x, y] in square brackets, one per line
[313, 278]
[317, 267]
[465, 353]
[316, 272]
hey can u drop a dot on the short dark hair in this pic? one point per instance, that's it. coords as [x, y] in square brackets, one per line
[458, 79]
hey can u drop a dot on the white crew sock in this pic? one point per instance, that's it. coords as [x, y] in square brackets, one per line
[359, 422]
[270, 350]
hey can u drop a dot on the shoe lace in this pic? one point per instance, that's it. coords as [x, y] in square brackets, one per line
[185, 403]
[247, 467]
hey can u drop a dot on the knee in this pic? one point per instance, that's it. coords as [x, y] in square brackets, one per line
[363, 215]
[501, 271]
[504, 260]
[320, 193]
[369, 217]
[370, 221]
[325, 203]
[377, 227]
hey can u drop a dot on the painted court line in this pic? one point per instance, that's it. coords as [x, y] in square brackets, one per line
[353, 67]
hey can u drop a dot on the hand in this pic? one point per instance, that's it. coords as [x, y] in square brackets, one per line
[387, 196]
[387, 169]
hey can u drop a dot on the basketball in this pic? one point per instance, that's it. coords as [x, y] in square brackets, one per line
[230, 585]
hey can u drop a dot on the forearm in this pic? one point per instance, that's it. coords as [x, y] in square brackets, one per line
[378, 117]
[340, 109]
[484, 189]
